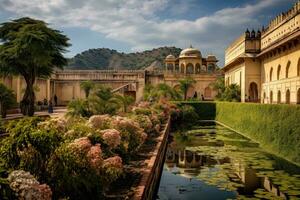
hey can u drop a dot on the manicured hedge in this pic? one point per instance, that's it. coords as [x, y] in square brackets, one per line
[205, 110]
[275, 127]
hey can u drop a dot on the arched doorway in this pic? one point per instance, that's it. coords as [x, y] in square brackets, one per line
[278, 97]
[211, 67]
[190, 68]
[298, 96]
[207, 93]
[253, 92]
[288, 97]
[278, 72]
[298, 67]
[264, 97]
[170, 67]
[190, 92]
[271, 97]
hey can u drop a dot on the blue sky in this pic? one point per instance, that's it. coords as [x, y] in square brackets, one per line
[136, 25]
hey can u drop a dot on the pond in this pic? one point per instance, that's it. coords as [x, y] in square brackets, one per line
[210, 161]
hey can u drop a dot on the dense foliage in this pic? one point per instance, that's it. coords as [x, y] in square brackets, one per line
[159, 92]
[111, 59]
[7, 99]
[75, 157]
[31, 49]
[231, 92]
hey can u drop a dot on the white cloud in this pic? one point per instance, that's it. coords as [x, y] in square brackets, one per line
[136, 23]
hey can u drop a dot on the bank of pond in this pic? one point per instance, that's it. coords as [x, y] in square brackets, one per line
[209, 161]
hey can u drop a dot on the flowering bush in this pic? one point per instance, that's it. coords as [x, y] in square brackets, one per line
[81, 164]
[144, 122]
[55, 123]
[99, 121]
[27, 187]
[132, 135]
[141, 111]
[111, 137]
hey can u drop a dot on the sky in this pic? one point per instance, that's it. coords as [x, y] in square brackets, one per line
[137, 25]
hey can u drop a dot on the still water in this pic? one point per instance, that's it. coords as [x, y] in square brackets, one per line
[211, 162]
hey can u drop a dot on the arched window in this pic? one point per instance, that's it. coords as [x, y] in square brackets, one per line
[271, 97]
[287, 69]
[298, 96]
[198, 68]
[170, 67]
[211, 67]
[271, 73]
[278, 97]
[278, 72]
[264, 97]
[190, 68]
[288, 97]
[298, 68]
[182, 68]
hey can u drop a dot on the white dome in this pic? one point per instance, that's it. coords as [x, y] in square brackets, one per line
[170, 57]
[190, 52]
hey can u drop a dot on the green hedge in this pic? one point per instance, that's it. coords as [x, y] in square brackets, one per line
[205, 110]
[275, 127]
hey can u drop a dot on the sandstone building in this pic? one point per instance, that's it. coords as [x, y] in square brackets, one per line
[65, 84]
[266, 63]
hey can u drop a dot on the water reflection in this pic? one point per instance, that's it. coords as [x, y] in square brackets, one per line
[235, 167]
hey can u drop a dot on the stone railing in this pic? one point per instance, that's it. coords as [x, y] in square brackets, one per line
[148, 185]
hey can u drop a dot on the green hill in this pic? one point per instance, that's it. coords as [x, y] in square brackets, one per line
[104, 58]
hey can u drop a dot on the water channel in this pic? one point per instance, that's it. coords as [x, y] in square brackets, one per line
[210, 161]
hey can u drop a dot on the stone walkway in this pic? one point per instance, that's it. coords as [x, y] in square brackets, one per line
[57, 111]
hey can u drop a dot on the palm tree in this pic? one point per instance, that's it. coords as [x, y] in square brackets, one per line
[219, 86]
[32, 50]
[7, 99]
[104, 101]
[87, 86]
[125, 101]
[185, 84]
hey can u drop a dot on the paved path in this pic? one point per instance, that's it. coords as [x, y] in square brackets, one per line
[57, 111]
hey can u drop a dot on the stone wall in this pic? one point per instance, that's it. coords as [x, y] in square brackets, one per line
[149, 183]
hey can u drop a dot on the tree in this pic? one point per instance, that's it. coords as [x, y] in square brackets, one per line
[232, 93]
[31, 49]
[87, 86]
[7, 99]
[159, 91]
[185, 84]
[219, 86]
[104, 101]
[125, 101]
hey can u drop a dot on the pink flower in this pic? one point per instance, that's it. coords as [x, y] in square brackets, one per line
[95, 156]
[115, 162]
[82, 144]
[99, 121]
[111, 137]
[27, 187]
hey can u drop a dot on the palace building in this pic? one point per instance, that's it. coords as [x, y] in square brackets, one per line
[266, 64]
[65, 84]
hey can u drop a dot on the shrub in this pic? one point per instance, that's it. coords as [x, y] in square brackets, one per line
[7, 99]
[111, 137]
[27, 187]
[100, 121]
[144, 122]
[80, 108]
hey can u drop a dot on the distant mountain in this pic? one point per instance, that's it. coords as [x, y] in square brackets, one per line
[104, 58]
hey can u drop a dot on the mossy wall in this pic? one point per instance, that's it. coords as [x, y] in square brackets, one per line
[275, 127]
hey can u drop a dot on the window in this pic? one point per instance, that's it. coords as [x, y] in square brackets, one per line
[279, 97]
[278, 72]
[271, 73]
[189, 68]
[298, 68]
[287, 69]
[271, 97]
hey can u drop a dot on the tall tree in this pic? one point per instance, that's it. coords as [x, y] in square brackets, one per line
[185, 84]
[31, 49]
[87, 86]
[219, 86]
